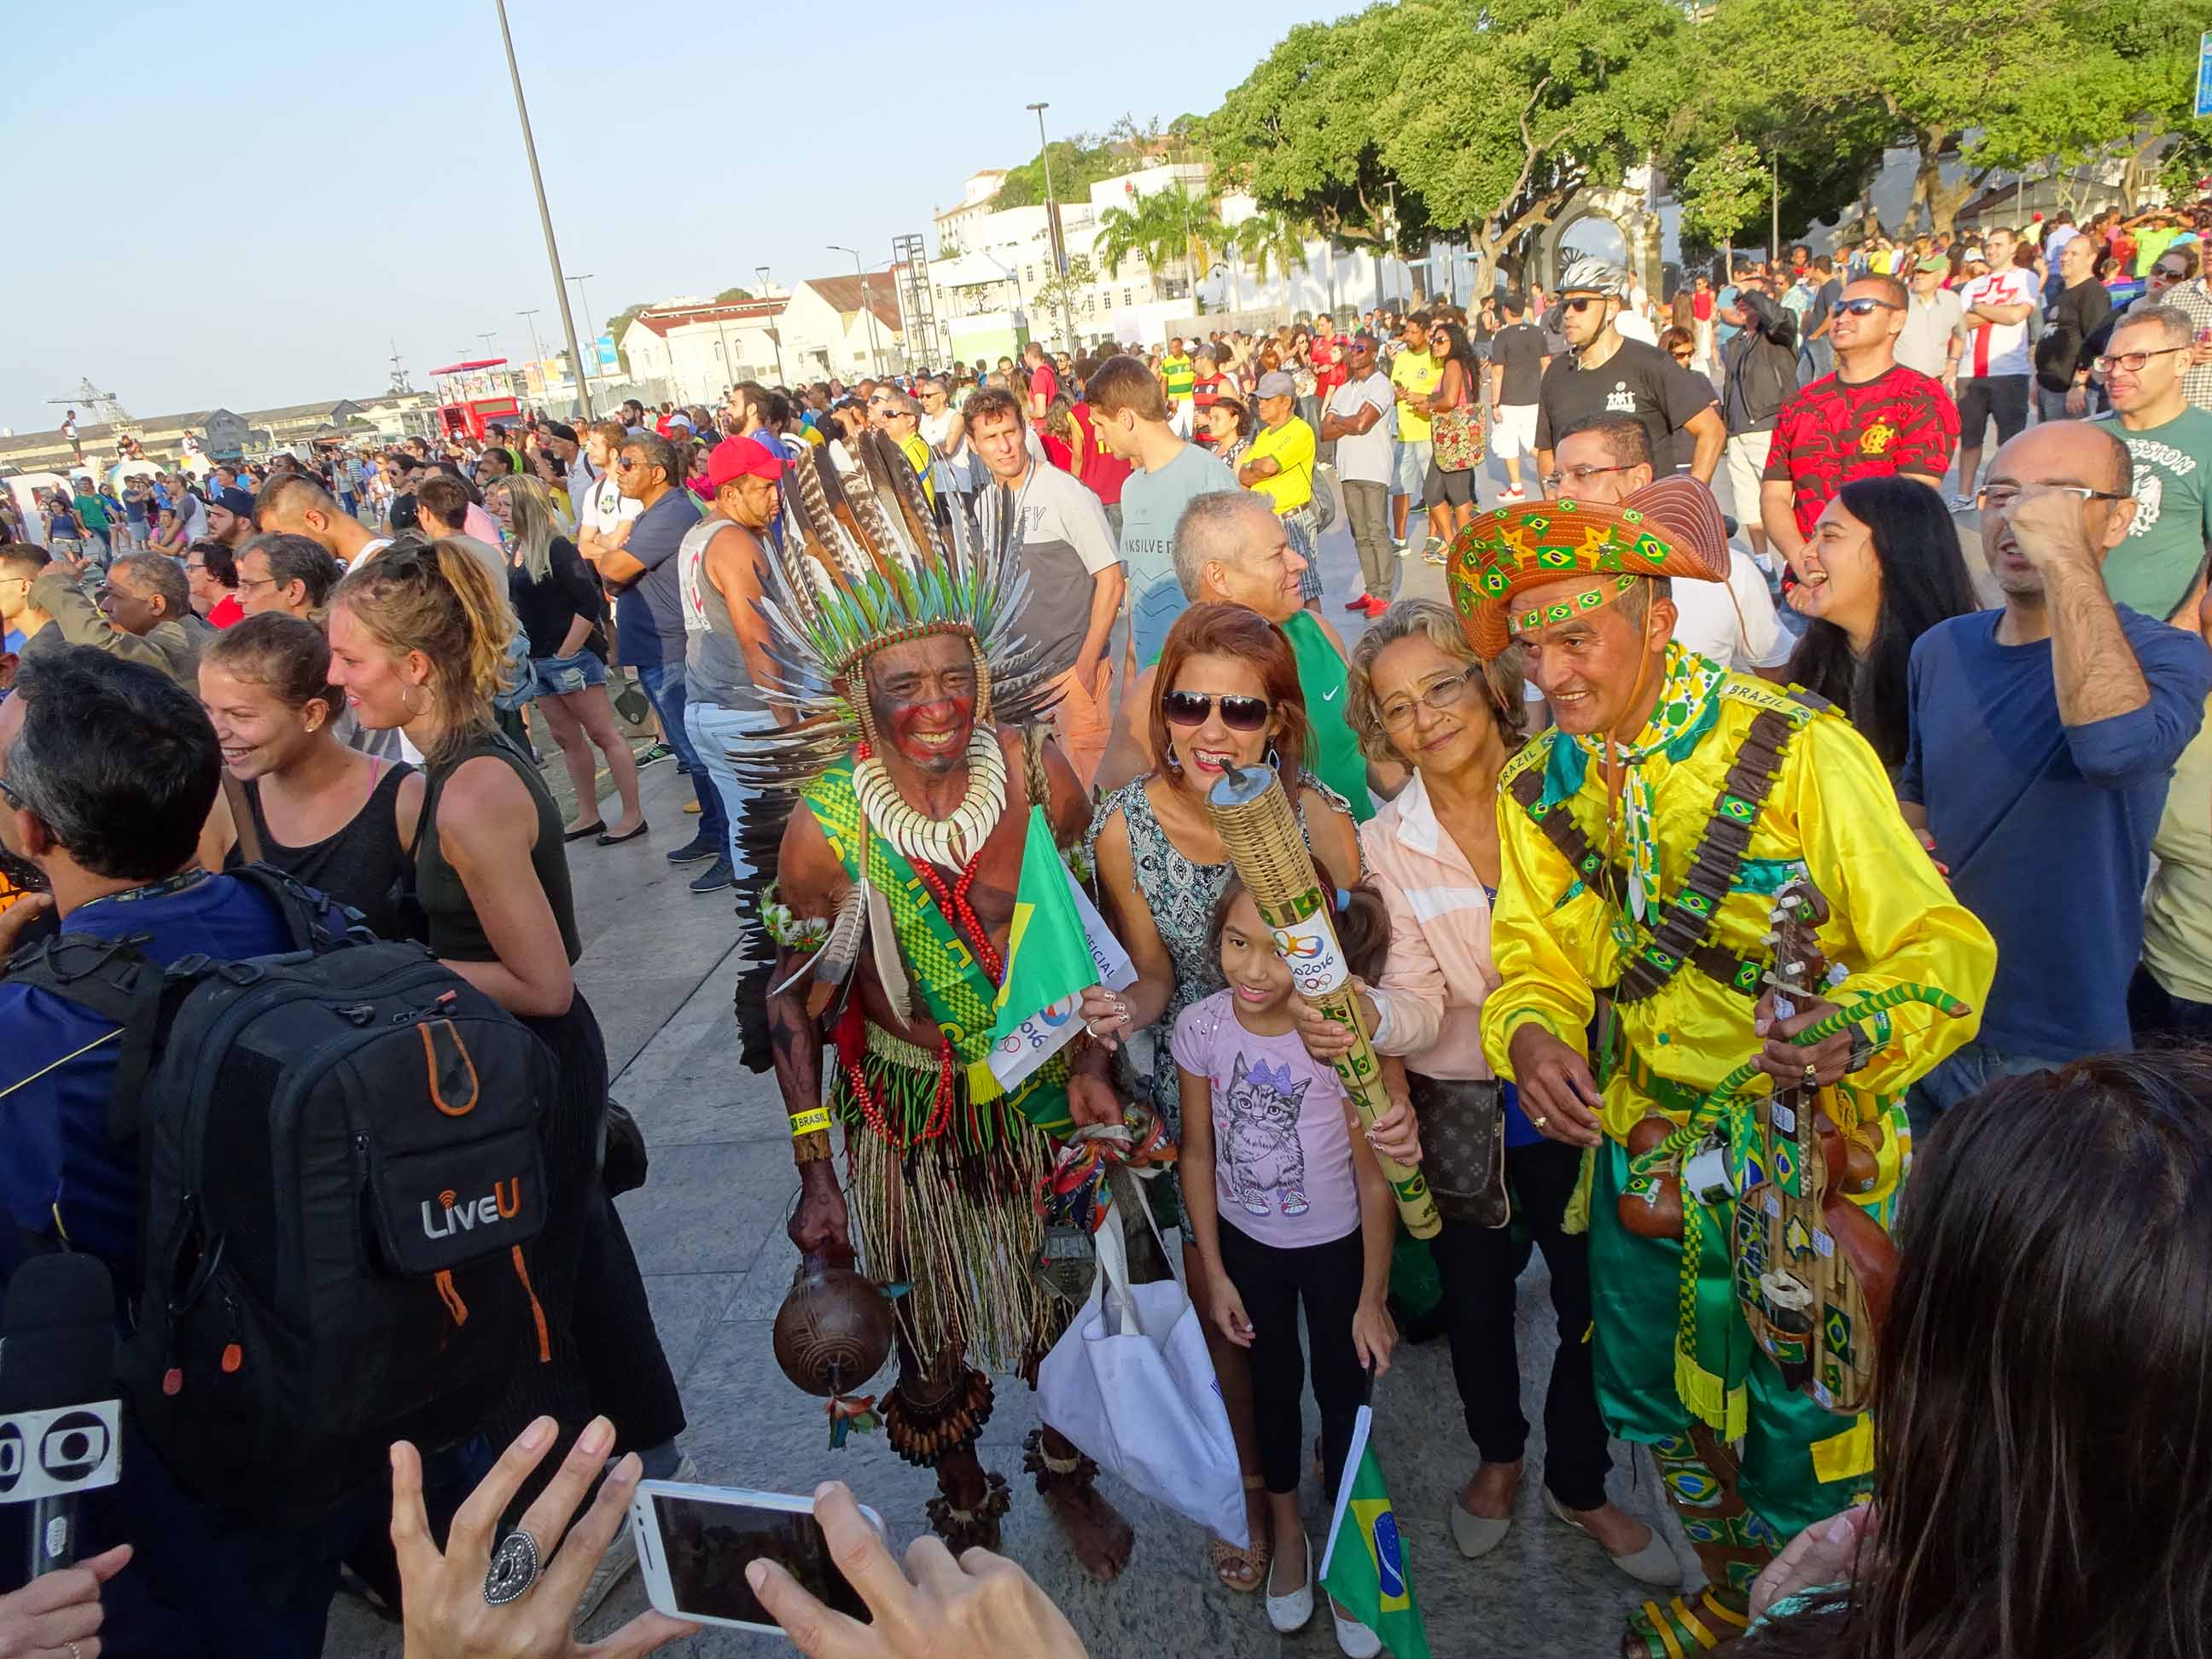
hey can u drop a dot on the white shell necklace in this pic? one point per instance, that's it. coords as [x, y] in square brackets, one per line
[950, 842]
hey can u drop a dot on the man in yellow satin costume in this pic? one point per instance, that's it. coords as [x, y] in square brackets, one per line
[1643, 840]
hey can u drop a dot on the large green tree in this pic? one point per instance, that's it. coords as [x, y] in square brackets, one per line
[1301, 133]
[1519, 104]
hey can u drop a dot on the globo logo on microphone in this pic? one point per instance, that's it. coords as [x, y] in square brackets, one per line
[49, 1453]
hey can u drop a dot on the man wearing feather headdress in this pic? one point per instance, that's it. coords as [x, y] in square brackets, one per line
[897, 879]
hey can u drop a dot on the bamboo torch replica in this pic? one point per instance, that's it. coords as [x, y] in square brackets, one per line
[1260, 832]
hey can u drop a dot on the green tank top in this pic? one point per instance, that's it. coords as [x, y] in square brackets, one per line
[1334, 755]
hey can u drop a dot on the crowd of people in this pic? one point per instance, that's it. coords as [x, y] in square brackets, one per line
[1561, 818]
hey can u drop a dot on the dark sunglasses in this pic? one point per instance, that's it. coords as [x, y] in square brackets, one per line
[1584, 303]
[1237, 713]
[1863, 307]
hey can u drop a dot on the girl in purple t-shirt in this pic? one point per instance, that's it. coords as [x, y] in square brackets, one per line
[1286, 1204]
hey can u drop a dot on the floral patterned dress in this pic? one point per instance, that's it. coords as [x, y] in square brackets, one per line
[1182, 895]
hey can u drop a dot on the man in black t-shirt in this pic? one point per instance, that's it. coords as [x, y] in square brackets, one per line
[1517, 360]
[1607, 375]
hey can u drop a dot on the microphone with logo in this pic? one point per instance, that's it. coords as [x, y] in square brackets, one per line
[60, 1418]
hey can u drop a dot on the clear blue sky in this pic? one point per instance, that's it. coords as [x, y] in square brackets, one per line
[246, 212]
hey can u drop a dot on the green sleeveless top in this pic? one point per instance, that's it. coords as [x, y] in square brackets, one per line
[1333, 753]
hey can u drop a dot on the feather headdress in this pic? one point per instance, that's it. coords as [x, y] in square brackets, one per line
[862, 563]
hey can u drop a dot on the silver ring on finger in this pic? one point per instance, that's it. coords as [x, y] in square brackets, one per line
[1540, 1122]
[513, 1569]
[74, 1652]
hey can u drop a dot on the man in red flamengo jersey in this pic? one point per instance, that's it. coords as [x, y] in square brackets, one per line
[1873, 417]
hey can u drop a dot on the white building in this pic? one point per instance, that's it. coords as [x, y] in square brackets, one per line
[843, 326]
[976, 196]
[700, 349]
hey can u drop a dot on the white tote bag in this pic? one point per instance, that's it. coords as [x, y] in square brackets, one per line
[1130, 1383]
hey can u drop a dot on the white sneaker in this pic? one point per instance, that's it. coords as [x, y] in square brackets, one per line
[621, 1558]
[1353, 1639]
[1291, 1614]
[1962, 503]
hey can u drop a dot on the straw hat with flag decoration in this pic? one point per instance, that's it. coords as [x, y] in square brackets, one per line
[1671, 527]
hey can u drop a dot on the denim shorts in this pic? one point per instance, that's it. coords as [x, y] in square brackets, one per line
[558, 677]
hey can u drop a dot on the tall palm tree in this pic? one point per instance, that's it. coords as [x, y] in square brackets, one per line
[1269, 240]
[1123, 232]
[1165, 228]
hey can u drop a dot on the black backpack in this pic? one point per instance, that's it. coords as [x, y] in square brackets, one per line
[342, 1175]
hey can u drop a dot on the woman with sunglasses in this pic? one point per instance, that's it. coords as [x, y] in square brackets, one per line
[1450, 494]
[1419, 697]
[1226, 694]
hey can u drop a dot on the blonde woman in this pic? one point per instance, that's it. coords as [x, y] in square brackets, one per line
[557, 600]
[418, 641]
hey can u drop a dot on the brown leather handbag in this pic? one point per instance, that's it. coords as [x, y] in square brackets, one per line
[1462, 1124]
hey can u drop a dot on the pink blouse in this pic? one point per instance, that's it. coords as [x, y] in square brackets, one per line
[1440, 968]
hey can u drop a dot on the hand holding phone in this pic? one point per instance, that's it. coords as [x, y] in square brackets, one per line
[981, 1604]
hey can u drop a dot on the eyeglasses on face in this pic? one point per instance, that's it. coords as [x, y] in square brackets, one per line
[1237, 713]
[250, 584]
[1996, 498]
[1578, 475]
[2133, 361]
[1399, 712]
[1863, 307]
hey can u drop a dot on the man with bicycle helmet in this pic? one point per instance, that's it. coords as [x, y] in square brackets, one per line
[1604, 374]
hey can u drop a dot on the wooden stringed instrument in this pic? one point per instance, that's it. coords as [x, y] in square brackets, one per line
[1813, 1271]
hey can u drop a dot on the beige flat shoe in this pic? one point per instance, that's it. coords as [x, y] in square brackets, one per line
[1475, 1534]
[1655, 1564]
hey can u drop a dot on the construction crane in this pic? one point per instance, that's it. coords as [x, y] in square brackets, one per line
[103, 408]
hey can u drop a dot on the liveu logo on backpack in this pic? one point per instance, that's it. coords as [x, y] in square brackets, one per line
[343, 1182]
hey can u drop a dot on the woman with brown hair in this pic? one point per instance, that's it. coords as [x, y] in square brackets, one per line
[2043, 1433]
[1226, 694]
[1420, 697]
[341, 820]
[418, 639]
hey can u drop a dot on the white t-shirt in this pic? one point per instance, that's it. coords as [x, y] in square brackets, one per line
[1997, 348]
[1366, 459]
[607, 507]
[1707, 620]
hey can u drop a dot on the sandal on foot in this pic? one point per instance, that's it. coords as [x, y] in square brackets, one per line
[1655, 1564]
[1684, 1625]
[1254, 1557]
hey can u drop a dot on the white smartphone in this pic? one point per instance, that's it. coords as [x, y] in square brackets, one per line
[693, 1544]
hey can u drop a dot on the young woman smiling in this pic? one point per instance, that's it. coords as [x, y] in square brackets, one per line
[1882, 567]
[1226, 693]
[341, 820]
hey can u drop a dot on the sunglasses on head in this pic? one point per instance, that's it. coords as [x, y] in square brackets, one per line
[1237, 713]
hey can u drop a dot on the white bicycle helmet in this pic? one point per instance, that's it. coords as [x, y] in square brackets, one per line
[1590, 276]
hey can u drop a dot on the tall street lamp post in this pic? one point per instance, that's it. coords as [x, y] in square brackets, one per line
[867, 304]
[1052, 232]
[544, 213]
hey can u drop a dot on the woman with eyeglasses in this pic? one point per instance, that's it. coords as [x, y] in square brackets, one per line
[1882, 568]
[1420, 697]
[1226, 693]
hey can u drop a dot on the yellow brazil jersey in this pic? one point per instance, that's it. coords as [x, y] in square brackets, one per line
[1892, 920]
[1420, 374]
[1291, 446]
[919, 456]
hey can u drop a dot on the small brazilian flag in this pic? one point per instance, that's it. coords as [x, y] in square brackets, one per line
[1049, 964]
[1365, 1567]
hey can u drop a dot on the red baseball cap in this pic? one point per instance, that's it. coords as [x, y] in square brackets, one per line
[739, 457]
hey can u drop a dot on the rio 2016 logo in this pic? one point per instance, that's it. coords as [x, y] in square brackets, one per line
[1294, 949]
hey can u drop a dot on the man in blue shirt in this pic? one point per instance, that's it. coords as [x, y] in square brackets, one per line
[649, 625]
[2043, 737]
[107, 771]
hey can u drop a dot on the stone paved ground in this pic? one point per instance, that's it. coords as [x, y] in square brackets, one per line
[709, 1231]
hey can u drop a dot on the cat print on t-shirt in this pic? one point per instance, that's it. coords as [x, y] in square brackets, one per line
[1264, 1161]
